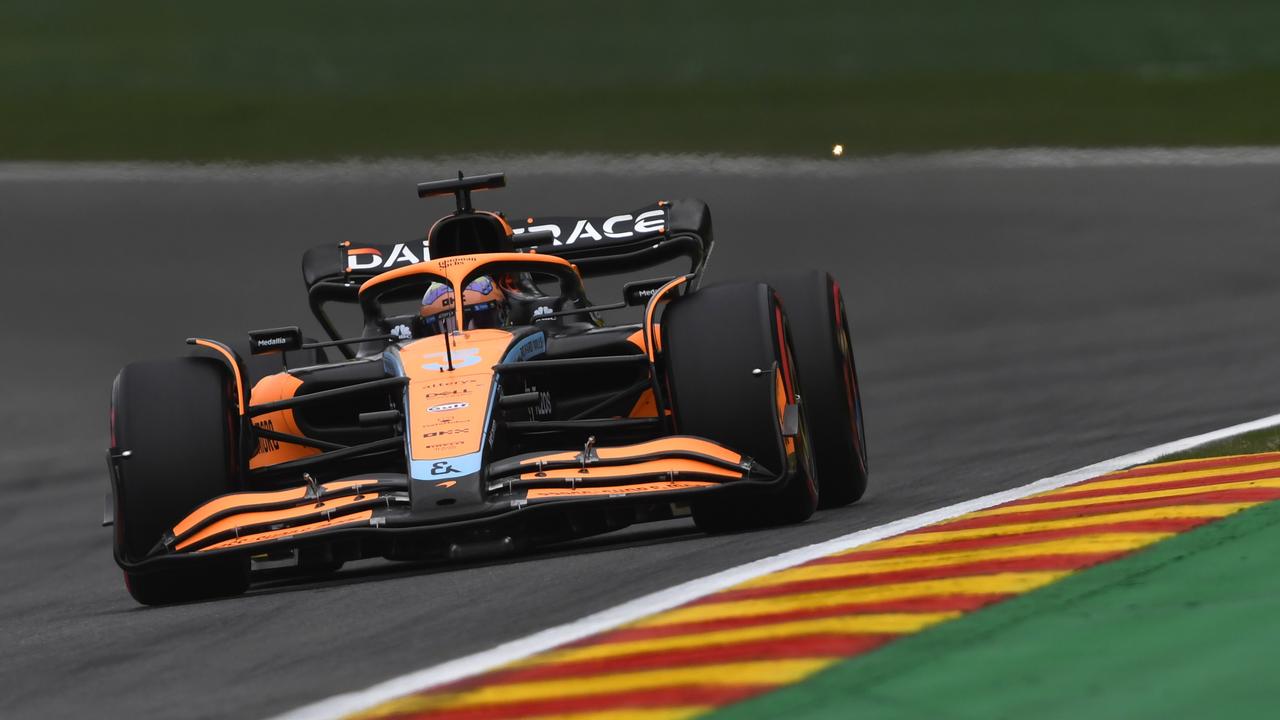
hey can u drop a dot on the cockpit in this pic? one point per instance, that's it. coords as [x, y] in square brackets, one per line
[469, 292]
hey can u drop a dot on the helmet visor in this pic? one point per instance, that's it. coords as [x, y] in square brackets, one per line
[484, 315]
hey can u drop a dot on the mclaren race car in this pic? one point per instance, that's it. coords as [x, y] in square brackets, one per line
[486, 406]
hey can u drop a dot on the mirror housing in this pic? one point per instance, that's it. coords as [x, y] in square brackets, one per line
[273, 340]
[637, 294]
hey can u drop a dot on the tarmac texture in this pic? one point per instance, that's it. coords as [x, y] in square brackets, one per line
[1009, 324]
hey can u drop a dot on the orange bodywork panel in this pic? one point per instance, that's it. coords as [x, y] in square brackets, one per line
[271, 452]
[680, 443]
[505, 225]
[266, 516]
[648, 462]
[646, 406]
[228, 502]
[250, 500]
[457, 267]
[637, 338]
[231, 360]
[652, 308]
[447, 409]
[649, 467]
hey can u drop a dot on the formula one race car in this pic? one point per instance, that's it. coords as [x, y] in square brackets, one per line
[485, 407]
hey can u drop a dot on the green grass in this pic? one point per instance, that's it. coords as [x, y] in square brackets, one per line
[288, 79]
[1257, 441]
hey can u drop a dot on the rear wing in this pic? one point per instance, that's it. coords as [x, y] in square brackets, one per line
[599, 246]
[627, 242]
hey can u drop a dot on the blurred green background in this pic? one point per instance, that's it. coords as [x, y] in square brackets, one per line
[83, 79]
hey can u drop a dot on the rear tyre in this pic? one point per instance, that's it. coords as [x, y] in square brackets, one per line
[175, 418]
[713, 341]
[824, 354]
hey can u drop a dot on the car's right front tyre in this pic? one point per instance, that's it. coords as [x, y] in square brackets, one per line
[176, 421]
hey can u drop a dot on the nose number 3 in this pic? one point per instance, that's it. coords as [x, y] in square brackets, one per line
[462, 357]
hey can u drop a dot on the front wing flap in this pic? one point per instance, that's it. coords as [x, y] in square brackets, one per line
[672, 463]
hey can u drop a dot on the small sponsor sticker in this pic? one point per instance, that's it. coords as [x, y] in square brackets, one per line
[448, 407]
[446, 431]
[443, 393]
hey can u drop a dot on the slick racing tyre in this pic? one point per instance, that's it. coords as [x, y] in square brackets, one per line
[175, 418]
[820, 333]
[716, 343]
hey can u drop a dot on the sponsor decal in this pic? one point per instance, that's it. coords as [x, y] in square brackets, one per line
[442, 467]
[448, 407]
[446, 431]
[652, 221]
[543, 408]
[402, 331]
[432, 391]
[275, 340]
[617, 491]
[443, 445]
[362, 517]
[377, 258]
[529, 347]
[443, 393]
[462, 465]
[446, 483]
[542, 310]
[458, 260]
[266, 444]
[450, 382]
[617, 227]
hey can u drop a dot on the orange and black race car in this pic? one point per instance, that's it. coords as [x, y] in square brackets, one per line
[486, 406]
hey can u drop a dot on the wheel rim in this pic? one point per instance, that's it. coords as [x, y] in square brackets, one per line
[849, 372]
[787, 369]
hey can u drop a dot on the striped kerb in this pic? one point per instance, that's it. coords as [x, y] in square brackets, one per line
[783, 627]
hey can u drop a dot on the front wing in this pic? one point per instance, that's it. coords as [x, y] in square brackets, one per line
[533, 498]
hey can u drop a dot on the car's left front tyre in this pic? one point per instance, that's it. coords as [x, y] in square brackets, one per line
[732, 376]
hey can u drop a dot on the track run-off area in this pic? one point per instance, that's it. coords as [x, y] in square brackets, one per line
[742, 633]
[1015, 315]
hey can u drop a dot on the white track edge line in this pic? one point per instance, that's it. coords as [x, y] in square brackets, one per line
[363, 170]
[338, 706]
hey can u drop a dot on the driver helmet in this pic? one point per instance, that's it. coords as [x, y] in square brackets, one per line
[484, 306]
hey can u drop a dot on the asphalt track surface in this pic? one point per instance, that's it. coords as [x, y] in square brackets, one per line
[1009, 324]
